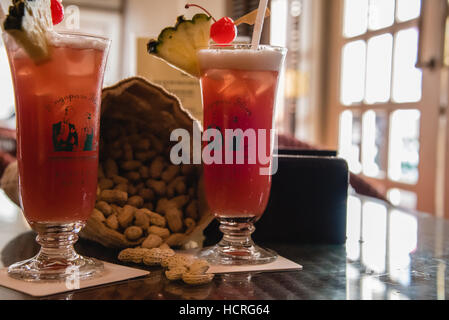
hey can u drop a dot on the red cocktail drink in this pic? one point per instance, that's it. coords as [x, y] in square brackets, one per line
[239, 87]
[58, 109]
[239, 99]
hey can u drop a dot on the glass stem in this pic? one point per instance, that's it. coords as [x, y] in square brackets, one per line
[236, 234]
[57, 241]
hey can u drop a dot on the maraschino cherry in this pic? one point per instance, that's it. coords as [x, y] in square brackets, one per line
[57, 12]
[223, 31]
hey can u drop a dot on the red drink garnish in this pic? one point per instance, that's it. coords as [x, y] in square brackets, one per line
[223, 31]
[57, 12]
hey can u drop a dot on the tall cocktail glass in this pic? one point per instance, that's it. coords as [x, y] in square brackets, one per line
[58, 111]
[239, 88]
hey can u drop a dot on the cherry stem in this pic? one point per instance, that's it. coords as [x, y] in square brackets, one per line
[188, 5]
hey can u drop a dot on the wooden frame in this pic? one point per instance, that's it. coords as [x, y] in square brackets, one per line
[429, 106]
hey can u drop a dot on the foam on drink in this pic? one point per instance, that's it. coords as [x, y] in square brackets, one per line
[74, 41]
[63, 40]
[265, 58]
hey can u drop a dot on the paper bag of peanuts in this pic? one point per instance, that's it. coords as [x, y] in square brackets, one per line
[142, 198]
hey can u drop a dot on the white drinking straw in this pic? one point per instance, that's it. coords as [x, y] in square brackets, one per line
[259, 24]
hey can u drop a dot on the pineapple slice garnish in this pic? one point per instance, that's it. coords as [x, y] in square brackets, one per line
[28, 22]
[179, 45]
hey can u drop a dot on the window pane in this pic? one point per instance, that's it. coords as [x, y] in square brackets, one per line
[374, 144]
[353, 72]
[350, 140]
[353, 219]
[408, 9]
[381, 14]
[407, 79]
[404, 146]
[355, 17]
[403, 239]
[278, 27]
[374, 235]
[378, 77]
[353, 228]
[403, 198]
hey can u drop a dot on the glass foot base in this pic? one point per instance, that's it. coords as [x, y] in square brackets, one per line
[57, 260]
[236, 247]
[36, 269]
[245, 256]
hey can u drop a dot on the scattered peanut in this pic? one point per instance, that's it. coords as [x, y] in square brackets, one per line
[152, 241]
[133, 176]
[131, 165]
[164, 246]
[127, 152]
[135, 201]
[112, 222]
[105, 184]
[126, 217]
[146, 194]
[98, 215]
[157, 144]
[121, 187]
[104, 207]
[156, 167]
[111, 168]
[199, 266]
[175, 239]
[141, 219]
[174, 219]
[177, 261]
[155, 218]
[143, 144]
[133, 233]
[179, 267]
[155, 256]
[114, 196]
[191, 271]
[164, 233]
[180, 201]
[197, 279]
[146, 155]
[119, 180]
[175, 273]
[159, 187]
[144, 172]
[132, 190]
[134, 255]
[170, 173]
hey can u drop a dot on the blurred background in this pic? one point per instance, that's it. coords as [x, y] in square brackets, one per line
[365, 77]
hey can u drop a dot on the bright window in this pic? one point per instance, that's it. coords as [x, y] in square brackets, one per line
[380, 105]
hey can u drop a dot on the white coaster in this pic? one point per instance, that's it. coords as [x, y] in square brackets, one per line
[280, 264]
[112, 273]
